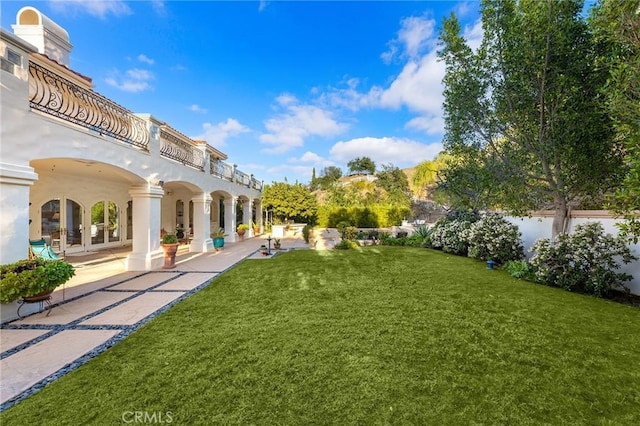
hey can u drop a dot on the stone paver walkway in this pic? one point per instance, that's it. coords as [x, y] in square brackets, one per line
[90, 317]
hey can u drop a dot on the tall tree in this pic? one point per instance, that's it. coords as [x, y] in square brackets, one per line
[526, 106]
[616, 24]
[290, 201]
[395, 183]
[328, 176]
[426, 175]
[362, 165]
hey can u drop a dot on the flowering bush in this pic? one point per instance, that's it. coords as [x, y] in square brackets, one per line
[520, 269]
[451, 236]
[585, 261]
[493, 237]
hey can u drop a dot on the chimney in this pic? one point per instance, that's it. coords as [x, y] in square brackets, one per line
[50, 38]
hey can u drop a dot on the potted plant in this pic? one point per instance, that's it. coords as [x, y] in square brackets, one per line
[170, 247]
[242, 228]
[256, 228]
[276, 243]
[180, 231]
[32, 280]
[218, 238]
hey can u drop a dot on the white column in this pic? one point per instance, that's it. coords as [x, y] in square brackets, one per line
[15, 181]
[146, 253]
[259, 221]
[202, 241]
[247, 207]
[230, 219]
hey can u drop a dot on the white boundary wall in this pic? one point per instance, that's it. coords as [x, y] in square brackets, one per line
[539, 226]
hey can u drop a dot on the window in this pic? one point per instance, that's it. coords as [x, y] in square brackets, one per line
[8, 64]
[14, 57]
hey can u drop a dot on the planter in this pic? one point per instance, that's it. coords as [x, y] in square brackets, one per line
[256, 231]
[169, 255]
[218, 242]
[45, 295]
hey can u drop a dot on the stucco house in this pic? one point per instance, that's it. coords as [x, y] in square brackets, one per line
[85, 173]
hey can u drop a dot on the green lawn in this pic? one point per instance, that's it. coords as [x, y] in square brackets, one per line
[385, 335]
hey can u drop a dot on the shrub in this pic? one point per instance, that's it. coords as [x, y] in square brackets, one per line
[585, 261]
[451, 236]
[377, 215]
[424, 234]
[32, 276]
[347, 231]
[346, 245]
[172, 238]
[520, 269]
[306, 232]
[493, 237]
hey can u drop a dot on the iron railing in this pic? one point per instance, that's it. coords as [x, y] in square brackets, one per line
[54, 95]
[180, 150]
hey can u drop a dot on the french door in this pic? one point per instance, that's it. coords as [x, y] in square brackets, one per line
[61, 225]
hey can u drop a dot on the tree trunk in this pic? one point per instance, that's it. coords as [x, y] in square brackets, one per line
[560, 218]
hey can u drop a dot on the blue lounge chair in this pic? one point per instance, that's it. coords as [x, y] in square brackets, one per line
[40, 248]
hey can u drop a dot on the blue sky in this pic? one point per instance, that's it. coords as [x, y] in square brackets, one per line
[279, 86]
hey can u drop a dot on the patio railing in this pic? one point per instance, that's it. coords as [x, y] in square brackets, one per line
[179, 149]
[221, 169]
[54, 95]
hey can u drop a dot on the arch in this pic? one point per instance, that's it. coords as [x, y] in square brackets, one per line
[31, 16]
[83, 183]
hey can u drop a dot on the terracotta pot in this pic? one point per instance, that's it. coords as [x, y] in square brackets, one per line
[169, 255]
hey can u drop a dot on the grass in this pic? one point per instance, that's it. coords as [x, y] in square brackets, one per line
[384, 335]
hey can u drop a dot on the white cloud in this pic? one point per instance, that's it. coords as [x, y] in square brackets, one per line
[159, 7]
[197, 108]
[309, 157]
[416, 34]
[286, 99]
[217, 134]
[97, 8]
[397, 151]
[144, 58]
[462, 9]
[134, 80]
[473, 34]
[418, 87]
[290, 128]
[431, 125]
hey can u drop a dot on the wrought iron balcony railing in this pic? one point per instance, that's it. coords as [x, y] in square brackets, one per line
[56, 96]
[174, 147]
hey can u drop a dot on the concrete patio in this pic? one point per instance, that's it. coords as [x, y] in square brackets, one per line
[102, 305]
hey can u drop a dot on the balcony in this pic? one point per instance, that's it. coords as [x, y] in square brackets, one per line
[56, 96]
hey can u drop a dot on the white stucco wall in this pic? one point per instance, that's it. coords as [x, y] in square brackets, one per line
[539, 226]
